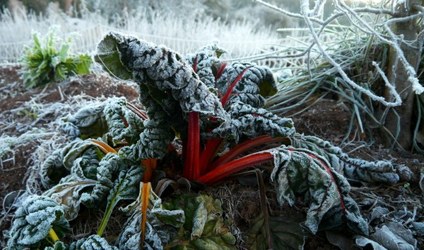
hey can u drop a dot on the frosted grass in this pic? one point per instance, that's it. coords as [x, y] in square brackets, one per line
[184, 35]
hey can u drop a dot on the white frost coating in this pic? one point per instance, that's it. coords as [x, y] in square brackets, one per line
[391, 88]
[304, 7]
[33, 221]
[416, 85]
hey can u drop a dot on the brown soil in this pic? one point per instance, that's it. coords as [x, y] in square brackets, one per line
[327, 119]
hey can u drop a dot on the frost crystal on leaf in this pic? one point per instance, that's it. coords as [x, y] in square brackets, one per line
[33, 221]
[302, 173]
[93, 242]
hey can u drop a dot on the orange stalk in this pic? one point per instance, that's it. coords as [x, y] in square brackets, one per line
[104, 147]
[145, 193]
[149, 167]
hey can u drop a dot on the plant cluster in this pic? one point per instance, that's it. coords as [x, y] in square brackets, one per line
[203, 121]
[44, 62]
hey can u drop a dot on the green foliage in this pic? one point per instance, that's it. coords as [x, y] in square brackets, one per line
[44, 62]
[218, 115]
[92, 242]
[33, 220]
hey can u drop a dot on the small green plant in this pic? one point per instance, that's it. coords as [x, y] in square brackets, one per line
[45, 62]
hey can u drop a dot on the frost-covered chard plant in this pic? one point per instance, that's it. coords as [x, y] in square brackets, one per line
[214, 111]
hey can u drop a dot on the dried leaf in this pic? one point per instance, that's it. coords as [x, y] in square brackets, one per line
[394, 236]
[365, 243]
[204, 225]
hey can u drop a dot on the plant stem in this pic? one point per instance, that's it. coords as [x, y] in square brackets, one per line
[208, 153]
[53, 235]
[103, 146]
[245, 146]
[191, 166]
[106, 217]
[234, 166]
[145, 193]
[230, 89]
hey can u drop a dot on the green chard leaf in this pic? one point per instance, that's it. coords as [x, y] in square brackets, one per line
[126, 187]
[252, 122]
[123, 124]
[60, 162]
[168, 87]
[111, 119]
[92, 242]
[58, 245]
[206, 63]
[303, 173]
[88, 122]
[110, 167]
[68, 193]
[353, 168]
[256, 83]
[33, 220]
[162, 226]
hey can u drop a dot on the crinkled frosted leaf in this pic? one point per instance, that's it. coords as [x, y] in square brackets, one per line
[33, 220]
[112, 119]
[302, 173]
[369, 171]
[108, 172]
[162, 226]
[206, 61]
[257, 82]
[61, 161]
[365, 242]
[58, 245]
[168, 88]
[68, 194]
[123, 124]
[92, 242]
[155, 139]
[204, 225]
[160, 68]
[89, 121]
[126, 187]
[252, 122]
